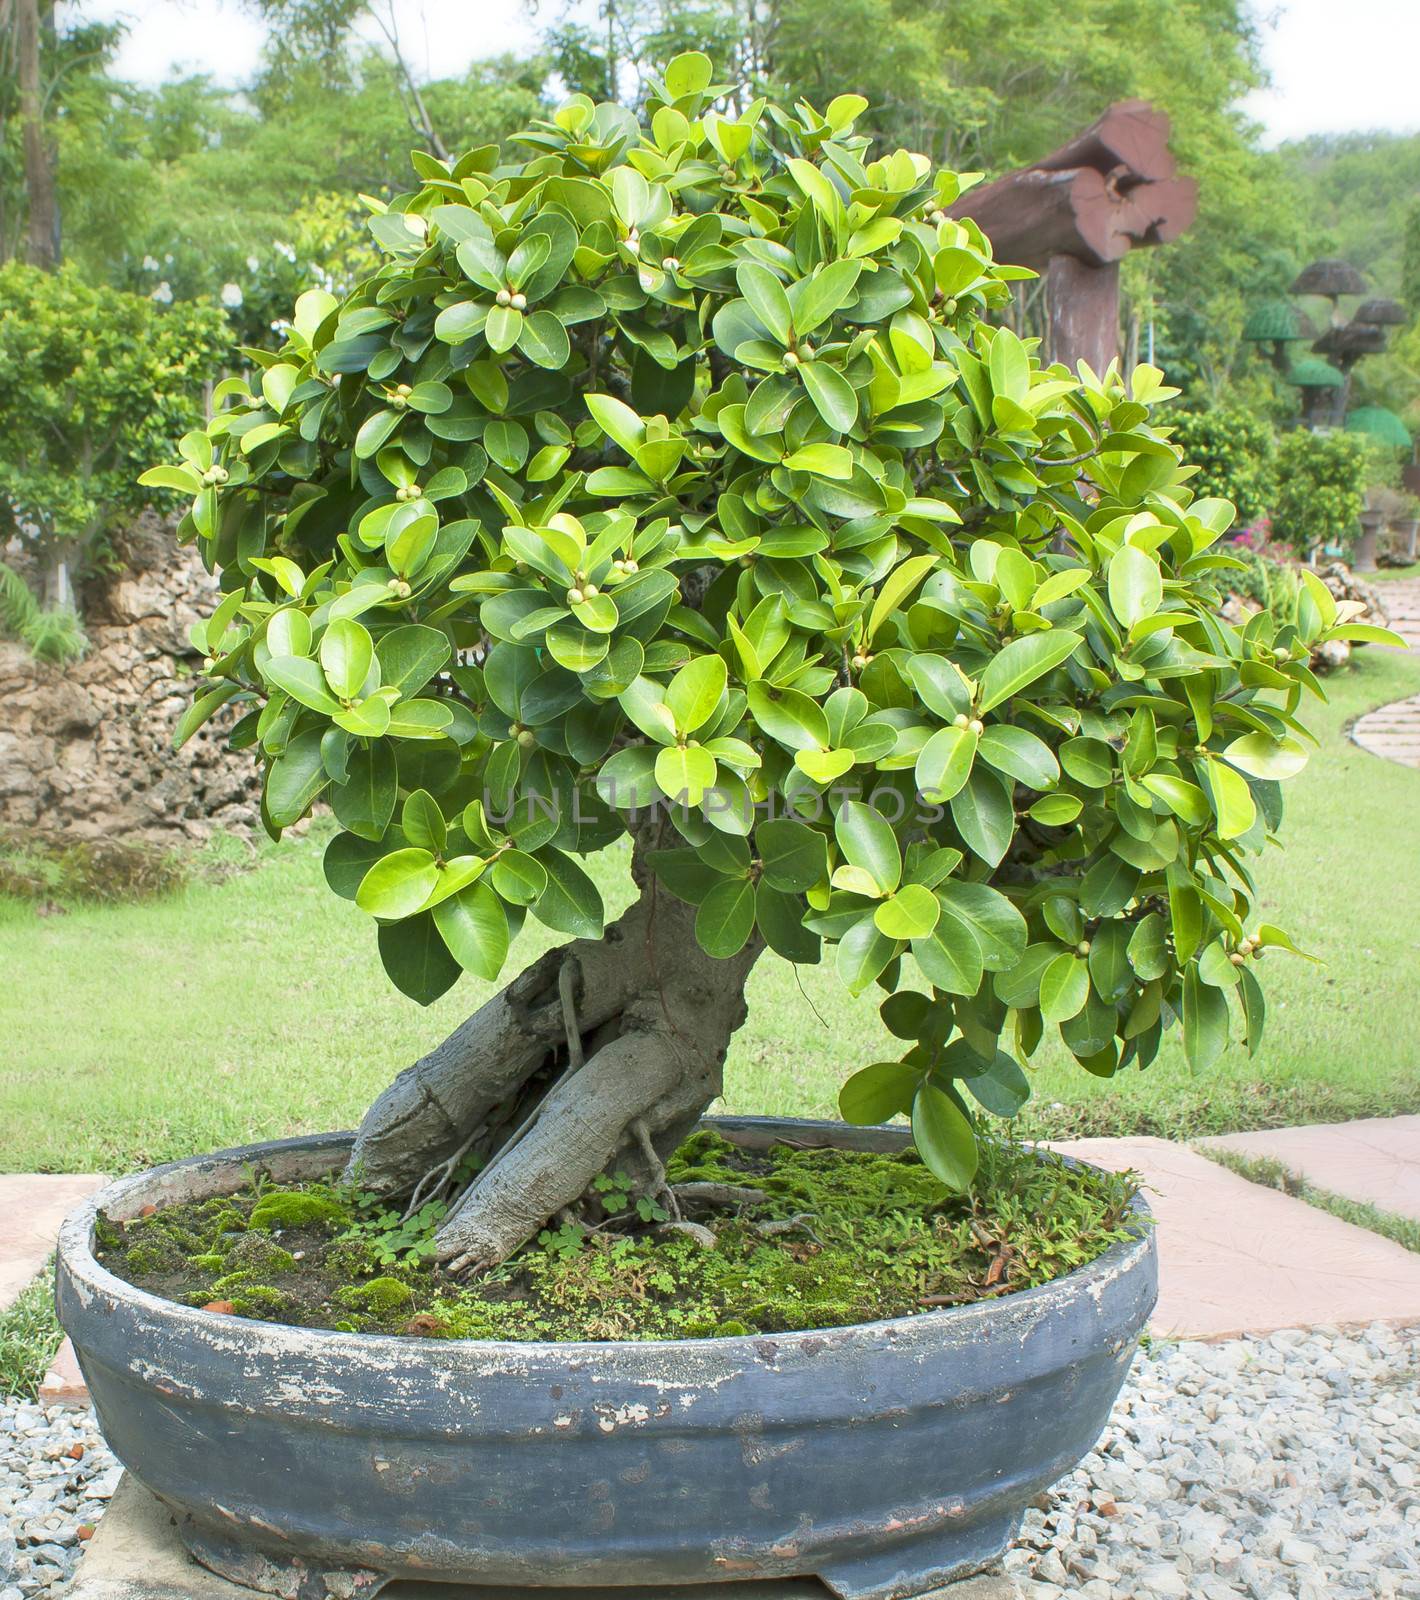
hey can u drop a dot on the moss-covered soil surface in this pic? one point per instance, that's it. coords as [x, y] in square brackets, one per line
[773, 1240]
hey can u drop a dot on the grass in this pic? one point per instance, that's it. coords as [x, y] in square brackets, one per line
[29, 1337]
[255, 1006]
[1274, 1174]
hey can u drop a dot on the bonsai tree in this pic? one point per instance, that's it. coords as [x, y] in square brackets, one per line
[673, 482]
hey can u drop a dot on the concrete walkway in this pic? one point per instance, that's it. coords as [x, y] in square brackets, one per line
[1393, 732]
[1375, 1160]
[31, 1208]
[1235, 1257]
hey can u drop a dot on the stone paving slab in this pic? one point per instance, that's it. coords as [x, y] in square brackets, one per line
[137, 1555]
[1235, 1257]
[1393, 731]
[63, 1384]
[1375, 1159]
[32, 1205]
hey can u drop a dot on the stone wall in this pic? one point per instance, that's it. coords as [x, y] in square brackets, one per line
[86, 748]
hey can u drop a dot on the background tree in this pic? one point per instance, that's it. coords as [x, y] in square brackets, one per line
[93, 382]
[674, 484]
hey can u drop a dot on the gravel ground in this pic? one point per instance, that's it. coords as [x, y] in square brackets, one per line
[1285, 1468]
[56, 1479]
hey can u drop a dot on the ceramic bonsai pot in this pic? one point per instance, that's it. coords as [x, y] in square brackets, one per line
[885, 1459]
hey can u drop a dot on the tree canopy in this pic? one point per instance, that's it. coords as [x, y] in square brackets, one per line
[675, 469]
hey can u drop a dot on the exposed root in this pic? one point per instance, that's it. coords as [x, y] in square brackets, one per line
[600, 1058]
[776, 1227]
[655, 1166]
[697, 1232]
[440, 1178]
[717, 1196]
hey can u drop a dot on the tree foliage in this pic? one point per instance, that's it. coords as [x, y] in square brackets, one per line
[680, 467]
[1321, 479]
[93, 383]
[1234, 452]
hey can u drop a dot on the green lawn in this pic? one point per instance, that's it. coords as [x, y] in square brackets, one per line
[255, 1006]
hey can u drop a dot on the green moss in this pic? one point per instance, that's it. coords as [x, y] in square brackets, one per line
[858, 1236]
[296, 1208]
[259, 1300]
[257, 1253]
[380, 1296]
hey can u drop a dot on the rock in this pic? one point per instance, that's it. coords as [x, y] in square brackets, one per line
[86, 748]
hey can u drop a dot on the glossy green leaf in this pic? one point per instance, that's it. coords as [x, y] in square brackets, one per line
[944, 1138]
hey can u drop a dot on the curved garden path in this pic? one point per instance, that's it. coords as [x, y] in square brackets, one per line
[1393, 731]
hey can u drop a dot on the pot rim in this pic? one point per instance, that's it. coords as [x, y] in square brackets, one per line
[90, 1279]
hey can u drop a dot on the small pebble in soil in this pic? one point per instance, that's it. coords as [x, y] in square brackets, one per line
[1279, 1468]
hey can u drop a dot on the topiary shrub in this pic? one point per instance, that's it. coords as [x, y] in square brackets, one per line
[1320, 489]
[1234, 452]
[674, 482]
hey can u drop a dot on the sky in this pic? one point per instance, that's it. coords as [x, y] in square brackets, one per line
[1334, 67]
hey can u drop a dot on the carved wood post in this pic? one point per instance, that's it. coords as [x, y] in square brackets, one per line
[1076, 213]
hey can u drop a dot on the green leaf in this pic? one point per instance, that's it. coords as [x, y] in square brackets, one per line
[1146, 950]
[789, 717]
[766, 297]
[346, 654]
[944, 1138]
[518, 877]
[364, 803]
[1205, 1020]
[571, 903]
[1233, 804]
[950, 957]
[985, 816]
[794, 856]
[1020, 755]
[944, 763]
[543, 340]
[814, 300]
[911, 913]
[1021, 662]
[374, 430]
[398, 884]
[1002, 1089]
[863, 952]
[694, 694]
[878, 1093]
[416, 958]
[474, 928]
[725, 919]
[1136, 588]
[303, 680]
[295, 778]
[1009, 366]
[1184, 799]
[618, 421]
[685, 772]
[1261, 756]
[1064, 987]
[410, 656]
[503, 328]
[996, 925]
[833, 396]
[867, 841]
[422, 822]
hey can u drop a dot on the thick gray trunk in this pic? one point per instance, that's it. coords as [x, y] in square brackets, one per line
[654, 1016]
